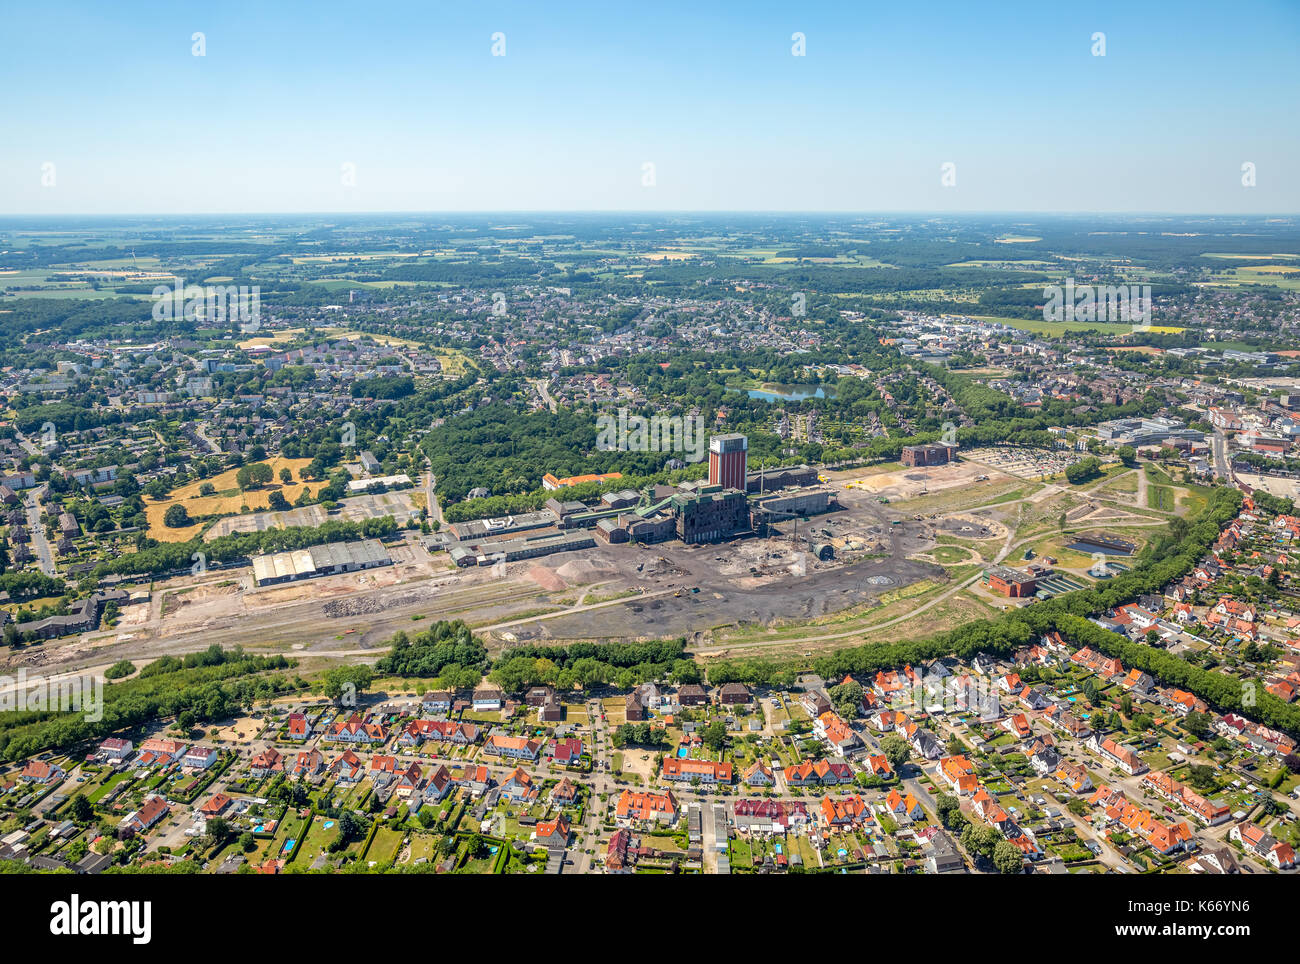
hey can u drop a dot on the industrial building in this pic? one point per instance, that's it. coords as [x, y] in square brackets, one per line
[693, 511]
[802, 503]
[382, 482]
[710, 514]
[935, 453]
[621, 500]
[1146, 431]
[1015, 583]
[631, 527]
[769, 480]
[515, 549]
[551, 483]
[496, 528]
[327, 560]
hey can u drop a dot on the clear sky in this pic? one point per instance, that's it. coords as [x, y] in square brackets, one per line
[709, 93]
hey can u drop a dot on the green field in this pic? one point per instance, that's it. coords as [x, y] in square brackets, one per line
[1055, 329]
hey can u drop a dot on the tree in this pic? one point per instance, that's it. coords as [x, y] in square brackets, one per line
[81, 809]
[1007, 858]
[252, 476]
[980, 841]
[219, 830]
[351, 827]
[345, 683]
[1196, 723]
[76, 850]
[847, 697]
[895, 749]
[639, 734]
[277, 502]
[686, 671]
[1202, 777]
[286, 476]
[949, 811]
[715, 735]
[176, 517]
[207, 488]
[1082, 471]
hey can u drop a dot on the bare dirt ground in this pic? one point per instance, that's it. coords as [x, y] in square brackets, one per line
[908, 483]
[645, 592]
[724, 600]
[242, 730]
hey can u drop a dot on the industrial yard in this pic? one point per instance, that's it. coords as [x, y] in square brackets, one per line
[873, 567]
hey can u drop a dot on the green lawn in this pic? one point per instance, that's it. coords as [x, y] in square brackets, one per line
[385, 845]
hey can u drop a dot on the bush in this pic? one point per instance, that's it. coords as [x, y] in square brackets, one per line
[123, 667]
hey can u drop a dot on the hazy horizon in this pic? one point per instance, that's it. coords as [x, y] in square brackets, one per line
[760, 107]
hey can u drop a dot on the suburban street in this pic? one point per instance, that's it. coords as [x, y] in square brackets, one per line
[1220, 445]
[40, 544]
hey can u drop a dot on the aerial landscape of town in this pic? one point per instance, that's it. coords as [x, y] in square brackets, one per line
[874, 571]
[625, 533]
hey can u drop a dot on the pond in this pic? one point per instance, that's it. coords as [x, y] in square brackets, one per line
[789, 393]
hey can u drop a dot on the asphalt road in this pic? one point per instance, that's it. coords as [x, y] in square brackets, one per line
[40, 545]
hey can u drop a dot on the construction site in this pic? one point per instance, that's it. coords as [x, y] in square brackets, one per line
[894, 553]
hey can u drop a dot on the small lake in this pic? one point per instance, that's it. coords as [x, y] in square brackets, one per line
[790, 393]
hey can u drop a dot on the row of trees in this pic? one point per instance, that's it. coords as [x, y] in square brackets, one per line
[203, 687]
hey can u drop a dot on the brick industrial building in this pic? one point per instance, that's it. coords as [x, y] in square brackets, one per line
[1011, 582]
[935, 453]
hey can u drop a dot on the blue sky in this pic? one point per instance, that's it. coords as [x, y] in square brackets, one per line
[709, 93]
